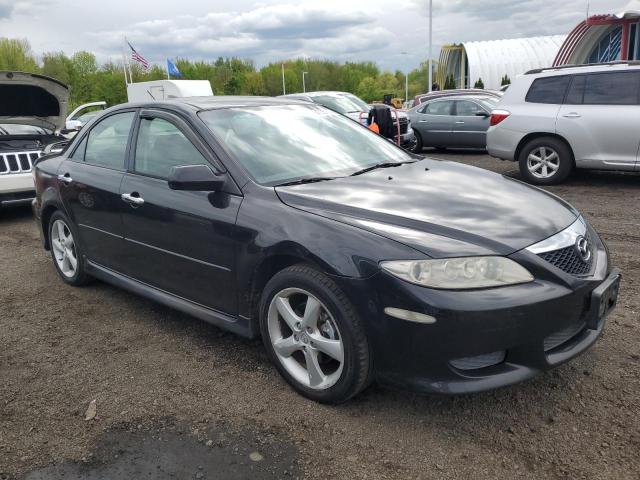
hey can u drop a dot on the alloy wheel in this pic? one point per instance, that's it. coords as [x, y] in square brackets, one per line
[305, 338]
[543, 162]
[64, 249]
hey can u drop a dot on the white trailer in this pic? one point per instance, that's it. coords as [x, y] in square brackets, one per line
[166, 89]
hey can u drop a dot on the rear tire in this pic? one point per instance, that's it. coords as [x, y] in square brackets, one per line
[66, 253]
[545, 161]
[314, 336]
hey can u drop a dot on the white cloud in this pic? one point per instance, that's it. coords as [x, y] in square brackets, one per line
[375, 30]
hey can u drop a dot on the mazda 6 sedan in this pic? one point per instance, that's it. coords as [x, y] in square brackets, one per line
[354, 260]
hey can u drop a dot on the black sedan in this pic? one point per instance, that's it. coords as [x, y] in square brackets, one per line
[352, 259]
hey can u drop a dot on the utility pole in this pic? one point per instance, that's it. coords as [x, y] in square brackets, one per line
[284, 88]
[430, 43]
[406, 82]
[304, 85]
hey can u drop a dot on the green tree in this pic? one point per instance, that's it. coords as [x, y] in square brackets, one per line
[450, 83]
[15, 54]
[505, 80]
[479, 83]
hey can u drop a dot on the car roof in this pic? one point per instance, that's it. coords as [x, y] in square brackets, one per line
[213, 102]
[592, 67]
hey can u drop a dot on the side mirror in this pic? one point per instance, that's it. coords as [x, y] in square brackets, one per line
[195, 178]
[482, 114]
[73, 125]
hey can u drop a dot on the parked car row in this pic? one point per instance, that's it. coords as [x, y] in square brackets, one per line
[354, 260]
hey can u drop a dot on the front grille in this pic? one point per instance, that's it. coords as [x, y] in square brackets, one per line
[404, 125]
[568, 260]
[18, 162]
[479, 361]
[558, 338]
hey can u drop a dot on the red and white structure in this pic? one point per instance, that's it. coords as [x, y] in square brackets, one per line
[603, 38]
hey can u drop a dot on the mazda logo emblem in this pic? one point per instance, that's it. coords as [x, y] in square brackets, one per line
[582, 247]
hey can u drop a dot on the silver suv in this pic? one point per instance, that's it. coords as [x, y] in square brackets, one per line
[554, 120]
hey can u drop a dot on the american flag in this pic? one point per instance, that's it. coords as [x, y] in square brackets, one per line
[139, 58]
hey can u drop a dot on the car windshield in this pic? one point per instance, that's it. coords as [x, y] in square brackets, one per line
[17, 129]
[284, 143]
[342, 103]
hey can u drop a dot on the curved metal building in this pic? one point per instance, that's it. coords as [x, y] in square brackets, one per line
[603, 38]
[491, 60]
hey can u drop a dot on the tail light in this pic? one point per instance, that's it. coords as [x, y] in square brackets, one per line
[497, 116]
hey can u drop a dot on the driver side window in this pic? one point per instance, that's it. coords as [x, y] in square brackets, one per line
[438, 108]
[161, 146]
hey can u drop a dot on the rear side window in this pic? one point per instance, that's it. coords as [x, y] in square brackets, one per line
[438, 108]
[548, 90]
[615, 88]
[576, 91]
[107, 141]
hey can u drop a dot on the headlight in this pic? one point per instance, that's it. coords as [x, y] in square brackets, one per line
[459, 273]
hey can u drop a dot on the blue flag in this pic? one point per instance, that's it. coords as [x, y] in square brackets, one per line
[172, 69]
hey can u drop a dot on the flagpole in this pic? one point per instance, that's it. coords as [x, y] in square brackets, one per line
[167, 65]
[284, 88]
[124, 67]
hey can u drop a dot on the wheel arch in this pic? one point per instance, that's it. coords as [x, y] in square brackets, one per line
[533, 136]
[266, 269]
[47, 213]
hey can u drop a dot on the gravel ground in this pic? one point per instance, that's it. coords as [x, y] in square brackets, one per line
[156, 373]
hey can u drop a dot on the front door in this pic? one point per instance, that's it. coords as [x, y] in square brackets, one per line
[90, 188]
[600, 119]
[470, 124]
[181, 242]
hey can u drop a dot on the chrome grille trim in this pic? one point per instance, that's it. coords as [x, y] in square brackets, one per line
[563, 239]
[18, 162]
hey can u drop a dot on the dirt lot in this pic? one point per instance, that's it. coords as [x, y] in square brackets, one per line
[177, 398]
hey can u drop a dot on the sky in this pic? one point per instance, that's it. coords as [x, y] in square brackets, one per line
[394, 33]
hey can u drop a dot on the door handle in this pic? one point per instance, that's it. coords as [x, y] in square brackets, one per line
[459, 122]
[423, 121]
[65, 178]
[136, 200]
[572, 115]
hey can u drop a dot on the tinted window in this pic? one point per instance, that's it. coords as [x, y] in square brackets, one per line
[107, 141]
[619, 88]
[465, 108]
[78, 154]
[576, 91]
[548, 90]
[438, 108]
[283, 143]
[162, 146]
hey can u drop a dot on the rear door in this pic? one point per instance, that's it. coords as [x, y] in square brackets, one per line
[434, 123]
[470, 125]
[181, 242]
[601, 119]
[90, 187]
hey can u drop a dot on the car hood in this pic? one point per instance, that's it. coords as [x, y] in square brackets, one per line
[438, 207]
[31, 99]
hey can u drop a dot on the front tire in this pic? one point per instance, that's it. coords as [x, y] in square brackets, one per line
[417, 148]
[65, 251]
[545, 161]
[313, 335]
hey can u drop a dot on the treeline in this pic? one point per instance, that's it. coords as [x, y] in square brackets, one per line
[90, 81]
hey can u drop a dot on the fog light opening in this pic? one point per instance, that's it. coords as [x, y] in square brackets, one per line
[409, 315]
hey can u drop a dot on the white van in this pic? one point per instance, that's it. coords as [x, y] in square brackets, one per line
[166, 89]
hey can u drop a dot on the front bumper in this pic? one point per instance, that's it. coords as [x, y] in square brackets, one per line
[16, 189]
[484, 339]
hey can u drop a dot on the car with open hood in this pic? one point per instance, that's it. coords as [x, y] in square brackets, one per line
[354, 260]
[33, 111]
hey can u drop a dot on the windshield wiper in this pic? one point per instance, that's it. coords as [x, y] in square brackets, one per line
[305, 180]
[380, 165]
